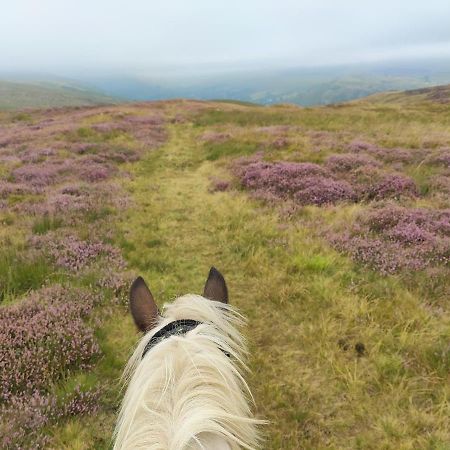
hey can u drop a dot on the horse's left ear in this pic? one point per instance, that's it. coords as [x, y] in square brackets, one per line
[215, 287]
[142, 305]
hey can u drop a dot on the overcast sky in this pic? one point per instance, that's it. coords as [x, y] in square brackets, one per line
[138, 34]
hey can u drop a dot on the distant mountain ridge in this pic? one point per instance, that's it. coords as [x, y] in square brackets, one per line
[304, 88]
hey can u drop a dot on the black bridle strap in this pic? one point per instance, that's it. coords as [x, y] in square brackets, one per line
[175, 328]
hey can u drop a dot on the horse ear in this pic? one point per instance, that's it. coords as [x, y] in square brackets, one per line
[142, 305]
[215, 287]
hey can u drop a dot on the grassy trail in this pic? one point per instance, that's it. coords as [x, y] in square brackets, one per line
[305, 313]
[178, 229]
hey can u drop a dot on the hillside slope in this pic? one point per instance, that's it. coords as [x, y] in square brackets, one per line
[331, 226]
[14, 95]
[414, 97]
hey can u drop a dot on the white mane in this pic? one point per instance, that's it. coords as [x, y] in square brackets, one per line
[187, 393]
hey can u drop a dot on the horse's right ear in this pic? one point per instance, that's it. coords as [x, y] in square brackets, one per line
[142, 305]
[215, 287]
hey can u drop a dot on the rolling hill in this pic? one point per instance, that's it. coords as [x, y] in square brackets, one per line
[436, 94]
[19, 95]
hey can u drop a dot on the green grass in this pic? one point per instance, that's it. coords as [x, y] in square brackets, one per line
[310, 310]
[19, 274]
[302, 300]
[229, 148]
[46, 223]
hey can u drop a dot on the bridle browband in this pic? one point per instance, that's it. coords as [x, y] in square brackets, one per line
[175, 328]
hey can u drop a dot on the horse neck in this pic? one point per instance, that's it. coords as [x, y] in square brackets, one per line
[186, 391]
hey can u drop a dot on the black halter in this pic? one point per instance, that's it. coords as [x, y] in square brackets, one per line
[175, 328]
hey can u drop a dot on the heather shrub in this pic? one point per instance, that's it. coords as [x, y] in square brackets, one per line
[442, 158]
[392, 186]
[387, 155]
[94, 172]
[306, 183]
[120, 155]
[72, 253]
[46, 337]
[78, 201]
[92, 168]
[109, 129]
[218, 185]
[358, 146]
[22, 420]
[441, 184]
[347, 161]
[392, 239]
[143, 121]
[321, 190]
[39, 175]
[7, 189]
[118, 282]
[83, 148]
[36, 155]
[280, 142]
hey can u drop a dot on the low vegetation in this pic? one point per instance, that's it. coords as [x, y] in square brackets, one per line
[331, 226]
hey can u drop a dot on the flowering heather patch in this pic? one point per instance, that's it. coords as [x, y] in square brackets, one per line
[306, 183]
[73, 201]
[22, 419]
[40, 175]
[358, 146]
[36, 155]
[442, 158]
[387, 155]
[118, 282]
[441, 184]
[148, 130]
[45, 335]
[91, 169]
[392, 186]
[7, 189]
[218, 185]
[120, 155]
[82, 148]
[392, 238]
[280, 142]
[347, 161]
[64, 203]
[108, 127]
[143, 121]
[94, 172]
[74, 254]
[9, 157]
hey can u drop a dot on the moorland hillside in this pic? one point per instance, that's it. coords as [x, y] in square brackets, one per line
[330, 224]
